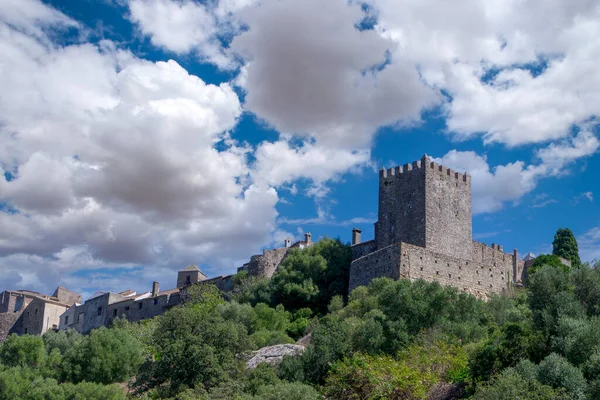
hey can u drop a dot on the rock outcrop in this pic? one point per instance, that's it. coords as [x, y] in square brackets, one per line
[273, 354]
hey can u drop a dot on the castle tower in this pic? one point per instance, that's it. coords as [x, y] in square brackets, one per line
[188, 275]
[427, 205]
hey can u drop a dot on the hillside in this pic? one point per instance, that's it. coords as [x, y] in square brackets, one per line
[388, 340]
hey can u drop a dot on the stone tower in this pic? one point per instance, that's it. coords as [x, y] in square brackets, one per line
[188, 275]
[426, 205]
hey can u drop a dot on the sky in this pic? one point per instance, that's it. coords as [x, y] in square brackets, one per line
[140, 136]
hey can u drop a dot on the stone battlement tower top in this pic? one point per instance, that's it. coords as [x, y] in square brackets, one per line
[427, 205]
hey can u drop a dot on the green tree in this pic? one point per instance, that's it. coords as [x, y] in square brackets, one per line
[103, 356]
[510, 385]
[195, 347]
[565, 245]
[23, 351]
[557, 372]
[545, 260]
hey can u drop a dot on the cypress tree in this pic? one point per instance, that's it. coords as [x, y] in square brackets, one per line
[565, 246]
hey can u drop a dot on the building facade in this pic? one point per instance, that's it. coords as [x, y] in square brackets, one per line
[424, 231]
[27, 312]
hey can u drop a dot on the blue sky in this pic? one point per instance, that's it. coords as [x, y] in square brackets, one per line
[139, 136]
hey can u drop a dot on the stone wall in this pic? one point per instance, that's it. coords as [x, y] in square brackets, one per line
[448, 221]
[401, 210]
[264, 266]
[66, 296]
[384, 262]
[362, 249]
[478, 276]
[137, 310]
[7, 322]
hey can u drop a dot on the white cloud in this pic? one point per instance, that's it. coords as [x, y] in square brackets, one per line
[589, 245]
[282, 162]
[465, 41]
[494, 186]
[322, 82]
[115, 164]
[186, 26]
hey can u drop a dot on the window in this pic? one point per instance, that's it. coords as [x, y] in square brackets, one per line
[115, 312]
[188, 280]
[140, 305]
[67, 320]
[155, 301]
[99, 311]
[126, 309]
[35, 312]
[26, 331]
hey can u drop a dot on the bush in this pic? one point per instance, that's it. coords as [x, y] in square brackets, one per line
[23, 351]
[103, 356]
[557, 372]
[510, 385]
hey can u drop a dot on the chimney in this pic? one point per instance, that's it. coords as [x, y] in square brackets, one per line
[287, 242]
[356, 236]
[515, 266]
[494, 246]
[500, 248]
[307, 238]
[155, 289]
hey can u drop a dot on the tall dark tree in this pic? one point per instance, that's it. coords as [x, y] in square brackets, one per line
[565, 245]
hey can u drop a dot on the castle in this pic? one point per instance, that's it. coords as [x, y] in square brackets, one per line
[424, 231]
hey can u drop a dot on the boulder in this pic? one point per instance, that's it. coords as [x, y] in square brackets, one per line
[273, 354]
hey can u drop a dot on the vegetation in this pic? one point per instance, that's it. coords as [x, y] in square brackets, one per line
[565, 246]
[389, 340]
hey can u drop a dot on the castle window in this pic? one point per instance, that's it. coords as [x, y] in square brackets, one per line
[421, 257]
[491, 276]
[155, 301]
[436, 261]
[467, 263]
[459, 278]
[126, 309]
[67, 320]
[491, 285]
[188, 280]
[35, 312]
[421, 268]
[449, 275]
[448, 264]
[99, 311]
[479, 282]
[115, 312]
[437, 272]
[26, 331]
[477, 272]
[459, 267]
[140, 305]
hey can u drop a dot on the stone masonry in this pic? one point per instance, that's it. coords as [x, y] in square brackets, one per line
[424, 231]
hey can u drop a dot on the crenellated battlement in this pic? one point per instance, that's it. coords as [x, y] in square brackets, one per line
[426, 164]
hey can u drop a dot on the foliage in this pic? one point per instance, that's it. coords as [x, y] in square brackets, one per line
[546, 260]
[416, 371]
[25, 384]
[23, 351]
[103, 356]
[307, 278]
[565, 245]
[390, 339]
[510, 385]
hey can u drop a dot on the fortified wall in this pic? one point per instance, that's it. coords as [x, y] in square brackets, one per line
[424, 231]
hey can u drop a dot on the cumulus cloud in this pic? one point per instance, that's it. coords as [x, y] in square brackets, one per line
[513, 78]
[492, 187]
[113, 163]
[313, 73]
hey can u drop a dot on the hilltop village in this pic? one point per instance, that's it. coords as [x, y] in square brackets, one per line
[424, 231]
